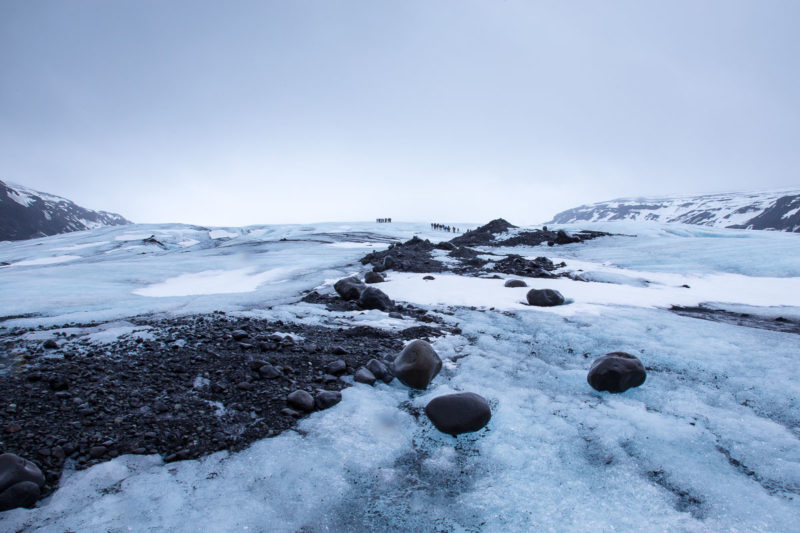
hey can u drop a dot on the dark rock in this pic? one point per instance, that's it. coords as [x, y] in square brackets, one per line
[349, 288]
[58, 383]
[388, 262]
[338, 350]
[515, 283]
[417, 364]
[444, 245]
[454, 414]
[328, 398]
[373, 277]
[20, 482]
[336, 367]
[302, 400]
[97, 451]
[428, 278]
[562, 237]
[616, 372]
[545, 297]
[269, 372]
[50, 344]
[373, 298]
[239, 334]
[363, 375]
[380, 370]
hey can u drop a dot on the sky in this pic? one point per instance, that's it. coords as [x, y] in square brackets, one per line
[239, 112]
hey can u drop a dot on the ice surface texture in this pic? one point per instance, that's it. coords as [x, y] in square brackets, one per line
[709, 443]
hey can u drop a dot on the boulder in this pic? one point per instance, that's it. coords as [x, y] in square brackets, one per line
[544, 297]
[327, 398]
[463, 412]
[349, 288]
[50, 344]
[302, 400]
[515, 283]
[380, 370]
[363, 375]
[268, 371]
[336, 367]
[373, 298]
[20, 482]
[428, 278]
[417, 364]
[616, 372]
[444, 245]
[388, 262]
[373, 277]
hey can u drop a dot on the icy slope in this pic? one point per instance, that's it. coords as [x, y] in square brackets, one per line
[710, 442]
[25, 214]
[766, 210]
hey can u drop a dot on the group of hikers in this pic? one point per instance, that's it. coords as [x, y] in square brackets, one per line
[444, 227]
[383, 220]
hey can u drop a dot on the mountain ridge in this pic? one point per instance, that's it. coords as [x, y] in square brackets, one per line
[776, 210]
[26, 214]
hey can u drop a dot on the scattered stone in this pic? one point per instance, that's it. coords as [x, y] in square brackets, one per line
[616, 372]
[417, 364]
[349, 288]
[50, 344]
[454, 414]
[363, 375]
[373, 298]
[326, 399]
[545, 297]
[338, 350]
[380, 370]
[515, 283]
[373, 277]
[302, 400]
[58, 383]
[428, 278]
[336, 367]
[269, 372]
[97, 451]
[239, 334]
[20, 482]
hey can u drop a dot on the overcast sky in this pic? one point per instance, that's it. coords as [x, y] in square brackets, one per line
[236, 112]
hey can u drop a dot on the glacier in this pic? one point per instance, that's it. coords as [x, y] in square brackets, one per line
[711, 441]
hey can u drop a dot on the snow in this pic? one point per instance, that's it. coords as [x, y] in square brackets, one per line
[710, 442]
[46, 260]
[214, 282]
[221, 234]
[452, 290]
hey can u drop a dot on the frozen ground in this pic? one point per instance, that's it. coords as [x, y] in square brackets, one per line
[710, 442]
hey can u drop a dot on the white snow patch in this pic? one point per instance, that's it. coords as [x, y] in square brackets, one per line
[214, 282]
[449, 289]
[46, 260]
[221, 234]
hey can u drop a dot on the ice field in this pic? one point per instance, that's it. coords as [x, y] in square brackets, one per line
[710, 442]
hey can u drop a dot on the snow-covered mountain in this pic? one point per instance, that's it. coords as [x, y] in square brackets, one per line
[775, 210]
[26, 214]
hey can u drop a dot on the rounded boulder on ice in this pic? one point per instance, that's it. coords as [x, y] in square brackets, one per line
[616, 372]
[374, 298]
[544, 297]
[417, 364]
[20, 482]
[459, 413]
